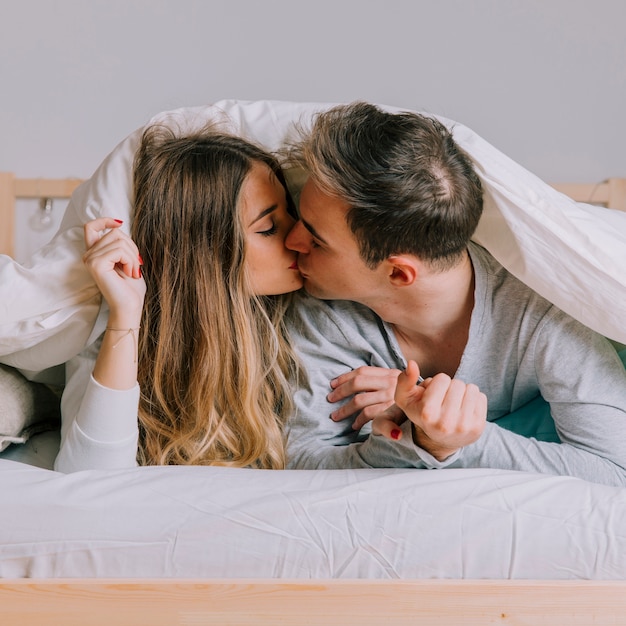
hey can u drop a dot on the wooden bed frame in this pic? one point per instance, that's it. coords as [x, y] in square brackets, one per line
[168, 602]
[610, 193]
[12, 189]
[99, 602]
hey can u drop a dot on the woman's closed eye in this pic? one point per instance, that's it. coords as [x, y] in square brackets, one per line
[272, 230]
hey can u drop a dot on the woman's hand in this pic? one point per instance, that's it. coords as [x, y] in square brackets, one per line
[114, 262]
[371, 391]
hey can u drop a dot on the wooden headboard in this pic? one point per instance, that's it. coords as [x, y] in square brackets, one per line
[610, 193]
[12, 189]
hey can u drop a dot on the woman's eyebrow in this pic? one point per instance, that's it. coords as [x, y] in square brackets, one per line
[263, 213]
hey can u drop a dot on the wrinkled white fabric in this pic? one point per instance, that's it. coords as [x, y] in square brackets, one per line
[199, 522]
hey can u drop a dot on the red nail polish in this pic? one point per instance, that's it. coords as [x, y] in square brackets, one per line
[395, 433]
[140, 259]
[119, 221]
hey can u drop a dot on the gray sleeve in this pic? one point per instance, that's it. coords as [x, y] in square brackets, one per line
[503, 449]
[330, 340]
[582, 378]
[99, 425]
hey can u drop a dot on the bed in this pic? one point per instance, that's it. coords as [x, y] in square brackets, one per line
[184, 545]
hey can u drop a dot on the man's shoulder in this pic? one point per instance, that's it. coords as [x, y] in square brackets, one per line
[340, 332]
[499, 281]
[506, 305]
[325, 316]
[305, 305]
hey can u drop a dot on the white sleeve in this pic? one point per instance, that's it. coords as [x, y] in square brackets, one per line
[99, 428]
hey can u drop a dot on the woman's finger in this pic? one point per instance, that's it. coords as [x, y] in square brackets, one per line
[392, 413]
[387, 427]
[361, 401]
[93, 229]
[118, 252]
[363, 374]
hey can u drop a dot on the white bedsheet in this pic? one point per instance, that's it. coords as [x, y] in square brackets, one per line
[383, 523]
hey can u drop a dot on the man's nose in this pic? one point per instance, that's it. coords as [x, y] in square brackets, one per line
[296, 239]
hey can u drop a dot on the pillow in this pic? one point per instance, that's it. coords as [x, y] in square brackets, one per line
[26, 407]
[572, 254]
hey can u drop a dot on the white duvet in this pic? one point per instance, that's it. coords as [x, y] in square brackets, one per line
[573, 254]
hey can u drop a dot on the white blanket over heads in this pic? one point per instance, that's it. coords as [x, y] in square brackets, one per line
[572, 254]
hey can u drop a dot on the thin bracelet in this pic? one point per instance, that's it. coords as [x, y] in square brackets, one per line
[127, 331]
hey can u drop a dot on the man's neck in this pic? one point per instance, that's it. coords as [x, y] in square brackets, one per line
[431, 318]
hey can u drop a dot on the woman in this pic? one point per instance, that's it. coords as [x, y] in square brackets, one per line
[195, 335]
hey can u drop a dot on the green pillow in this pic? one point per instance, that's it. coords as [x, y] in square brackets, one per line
[534, 419]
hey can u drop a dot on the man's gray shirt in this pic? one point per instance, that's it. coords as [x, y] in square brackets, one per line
[519, 346]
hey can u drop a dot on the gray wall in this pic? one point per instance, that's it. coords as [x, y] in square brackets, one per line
[543, 80]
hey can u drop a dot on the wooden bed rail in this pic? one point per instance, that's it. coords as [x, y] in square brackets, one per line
[12, 189]
[165, 602]
[610, 192]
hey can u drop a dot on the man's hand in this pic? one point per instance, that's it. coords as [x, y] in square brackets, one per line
[446, 413]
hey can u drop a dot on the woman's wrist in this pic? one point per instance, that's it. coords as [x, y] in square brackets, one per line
[124, 319]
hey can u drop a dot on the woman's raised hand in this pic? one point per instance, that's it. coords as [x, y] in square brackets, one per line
[115, 265]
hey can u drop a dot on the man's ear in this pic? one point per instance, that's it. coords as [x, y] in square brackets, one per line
[403, 270]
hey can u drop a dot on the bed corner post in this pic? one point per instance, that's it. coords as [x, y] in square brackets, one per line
[7, 212]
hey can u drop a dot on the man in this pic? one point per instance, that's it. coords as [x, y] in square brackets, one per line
[386, 218]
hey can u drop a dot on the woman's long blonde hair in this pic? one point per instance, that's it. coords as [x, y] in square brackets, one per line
[214, 359]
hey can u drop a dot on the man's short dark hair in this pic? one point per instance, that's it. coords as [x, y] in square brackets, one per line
[410, 187]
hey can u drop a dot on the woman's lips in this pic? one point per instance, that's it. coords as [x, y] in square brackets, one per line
[294, 265]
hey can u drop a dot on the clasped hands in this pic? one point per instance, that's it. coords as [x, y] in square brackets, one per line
[446, 413]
